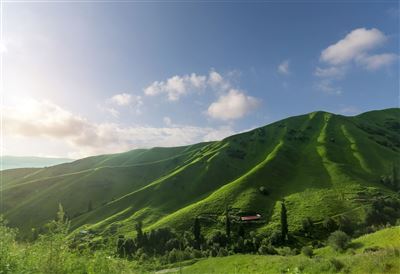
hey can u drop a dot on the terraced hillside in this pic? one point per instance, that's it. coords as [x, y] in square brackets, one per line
[321, 164]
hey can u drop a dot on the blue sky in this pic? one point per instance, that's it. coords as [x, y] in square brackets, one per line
[88, 78]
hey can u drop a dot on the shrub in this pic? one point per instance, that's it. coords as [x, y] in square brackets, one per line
[287, 251]
[372, 249]
[307, 226]
[267, 250]
[222, 252]
[264, 190]
[346, 225]
[329, 224]
[275, 238]
[339, 240]
[307, 251]
[336, 264]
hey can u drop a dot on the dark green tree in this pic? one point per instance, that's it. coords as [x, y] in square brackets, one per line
[228, 227]
[329, 224]
[284, 223]
[339, 240]
[307, 226]
[241, 231]
[197, 232]
[139, 234]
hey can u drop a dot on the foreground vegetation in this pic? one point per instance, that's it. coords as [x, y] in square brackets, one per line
[57, 251]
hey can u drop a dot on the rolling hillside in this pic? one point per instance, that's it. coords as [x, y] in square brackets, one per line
[11, 162]
[322, 164]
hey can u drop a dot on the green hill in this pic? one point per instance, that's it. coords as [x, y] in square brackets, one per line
[322, 164]
[11, 162]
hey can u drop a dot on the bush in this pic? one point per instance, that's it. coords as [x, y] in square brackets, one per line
[263, 190]
[173, 256]
[267, 250]
[336, 264]
[287, 251]
[307, 226]
[346, 225]
[307, 251]
[339, 240]
[372, 249]
[222, 252]
[329, 224]
[275, 238]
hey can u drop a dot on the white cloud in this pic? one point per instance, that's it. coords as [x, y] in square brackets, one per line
[178, 86]
[355, 44]
[112, 111]
[46, 120]
[283, 67]
[219, 134]
[327, 87]
[232, 105]
[134, 102]
[122, 99]
[167, 121]
[377, 61]
[215, 78]
[330, 72]
[354, 49]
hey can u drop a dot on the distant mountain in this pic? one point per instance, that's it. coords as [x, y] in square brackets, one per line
[320, 163]
[10, 162]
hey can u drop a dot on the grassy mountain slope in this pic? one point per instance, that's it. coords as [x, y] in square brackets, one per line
[322, 165]
[11, 162]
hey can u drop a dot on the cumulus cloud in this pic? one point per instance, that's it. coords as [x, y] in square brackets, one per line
[121, 100]
[44, 119]
[355, 49]
[377, 61]
[328, 87]
[283, 67]
[178, 86]
[356, 43]
[233, 105]
[330, 72]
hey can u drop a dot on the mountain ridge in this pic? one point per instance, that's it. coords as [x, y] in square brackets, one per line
[321, 155]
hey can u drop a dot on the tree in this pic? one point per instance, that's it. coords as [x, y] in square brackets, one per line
[228, 227]
[307, 226]
[339, 240]
[329, 224]
[284, 223]
[346, 225]
[139, 234]
[197, 232]
[241, 231]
